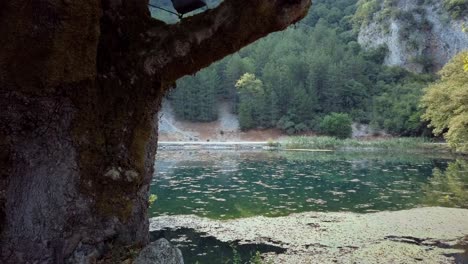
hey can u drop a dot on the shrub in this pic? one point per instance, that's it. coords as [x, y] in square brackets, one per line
[337, 125]
[272, 144]
[152, 199]
[365, 11]
[331, 143]
[457, 8]
[303, 142]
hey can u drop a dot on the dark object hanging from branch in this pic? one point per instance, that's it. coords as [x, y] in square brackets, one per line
[186, 6]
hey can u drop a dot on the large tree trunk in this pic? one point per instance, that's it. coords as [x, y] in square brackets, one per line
[80, 83]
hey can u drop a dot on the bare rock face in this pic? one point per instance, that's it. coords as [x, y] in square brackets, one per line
[160, 252]
[419, 36]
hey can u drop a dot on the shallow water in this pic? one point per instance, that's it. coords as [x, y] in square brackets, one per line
[235, 184]
[199, 248]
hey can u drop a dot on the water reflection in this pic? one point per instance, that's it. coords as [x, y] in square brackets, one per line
[232, 184]
[448, 188]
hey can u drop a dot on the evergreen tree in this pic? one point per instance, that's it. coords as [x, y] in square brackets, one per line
[196, 97]
[246, 120]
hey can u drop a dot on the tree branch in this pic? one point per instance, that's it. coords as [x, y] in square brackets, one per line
[196, 42]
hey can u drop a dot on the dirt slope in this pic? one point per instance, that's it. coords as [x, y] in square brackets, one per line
[226, 128]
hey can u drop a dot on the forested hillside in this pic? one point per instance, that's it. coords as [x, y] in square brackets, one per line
[294, 79]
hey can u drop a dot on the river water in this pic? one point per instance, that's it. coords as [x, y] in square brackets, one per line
[230, 184]
[233, 184]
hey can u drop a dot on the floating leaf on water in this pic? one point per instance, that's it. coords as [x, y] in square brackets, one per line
[363, 206]
[336, 193]
[218, 199]
[316, 201]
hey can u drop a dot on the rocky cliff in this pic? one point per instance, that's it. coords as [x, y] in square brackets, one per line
[420, 35]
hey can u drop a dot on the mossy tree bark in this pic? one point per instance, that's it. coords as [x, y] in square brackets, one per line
[80, 83]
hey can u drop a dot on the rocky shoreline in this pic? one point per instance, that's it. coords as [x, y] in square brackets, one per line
[421, 235]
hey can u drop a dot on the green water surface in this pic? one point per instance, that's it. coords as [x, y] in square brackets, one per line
[235, 184]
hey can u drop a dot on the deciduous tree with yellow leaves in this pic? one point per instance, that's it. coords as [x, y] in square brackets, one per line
[446, 103]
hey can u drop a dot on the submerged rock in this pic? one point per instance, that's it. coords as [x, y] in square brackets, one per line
[425, 235]
[160, 252]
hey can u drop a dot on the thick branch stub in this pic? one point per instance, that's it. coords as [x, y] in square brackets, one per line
[198, 41]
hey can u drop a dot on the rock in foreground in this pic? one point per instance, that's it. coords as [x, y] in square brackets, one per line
[160, 252]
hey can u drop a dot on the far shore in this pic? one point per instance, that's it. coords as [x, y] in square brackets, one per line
[314, 144]
[212, 145]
